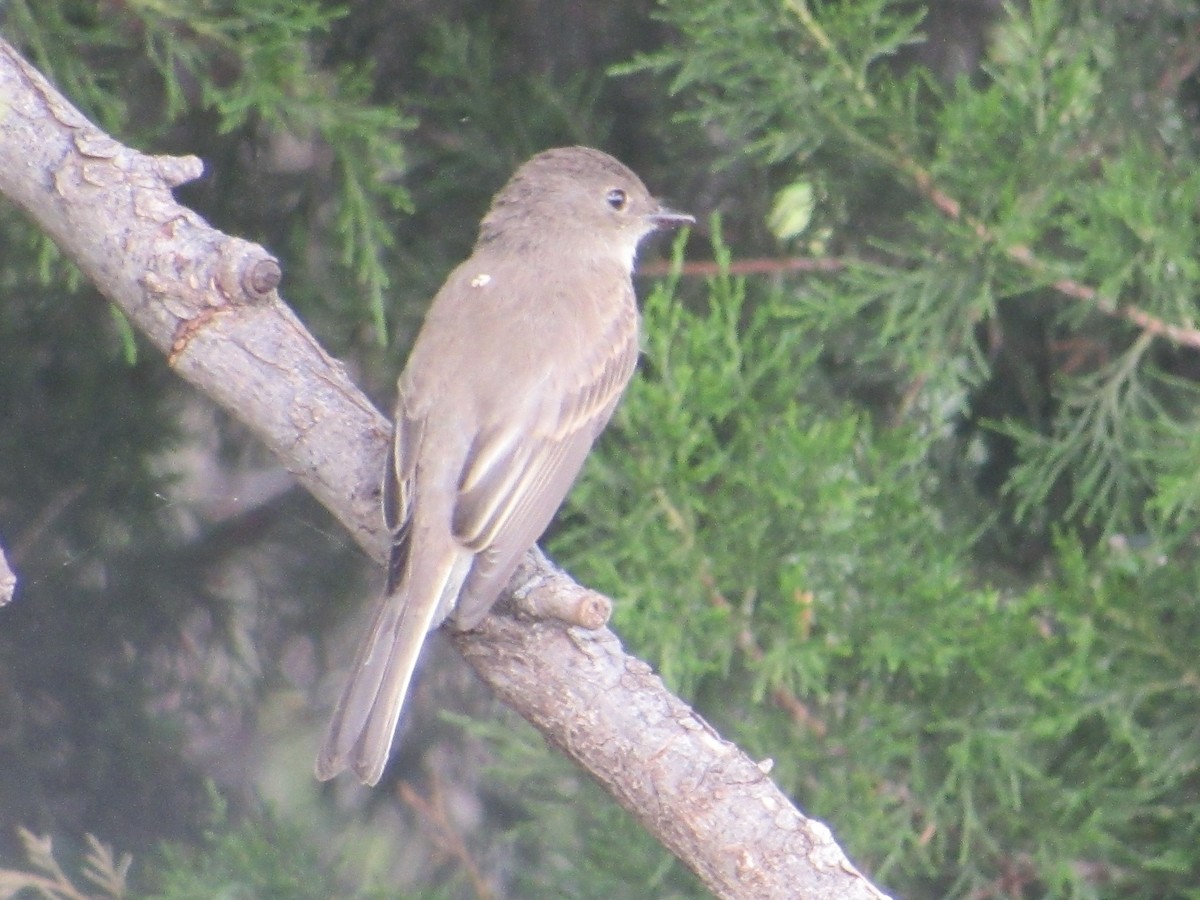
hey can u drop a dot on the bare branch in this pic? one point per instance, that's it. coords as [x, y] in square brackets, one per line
[208, 302]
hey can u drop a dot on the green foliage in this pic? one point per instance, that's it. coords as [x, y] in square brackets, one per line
[783, 77]
[804, 545]
[1060, 180]
[784, 561]
[272, 88]
[256, 859]
[769, 541]
[587, 848]
[805, 503]
[920, 528]
[462, 61]
[119, 601]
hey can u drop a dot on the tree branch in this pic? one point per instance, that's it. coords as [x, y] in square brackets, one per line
[758, 266]
[208, 302]
[1024, 256]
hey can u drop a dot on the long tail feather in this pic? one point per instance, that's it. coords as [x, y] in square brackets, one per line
[365, 718]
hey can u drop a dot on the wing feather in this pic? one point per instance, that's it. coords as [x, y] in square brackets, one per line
[508, 496]
[397, 498]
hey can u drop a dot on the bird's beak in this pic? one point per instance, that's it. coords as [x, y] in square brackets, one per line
[664, 218]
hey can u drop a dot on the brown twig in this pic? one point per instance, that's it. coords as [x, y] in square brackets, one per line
[447, 837]
[760, 266]
[897, 156]
[1186, 62]
[1024, 256]
[783, 698]
[44, 520]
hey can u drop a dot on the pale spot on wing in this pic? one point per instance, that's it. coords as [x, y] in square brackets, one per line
[483, 279]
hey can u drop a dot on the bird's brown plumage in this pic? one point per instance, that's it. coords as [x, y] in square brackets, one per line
[519, 364]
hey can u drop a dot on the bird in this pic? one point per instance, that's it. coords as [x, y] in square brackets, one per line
[521, 359]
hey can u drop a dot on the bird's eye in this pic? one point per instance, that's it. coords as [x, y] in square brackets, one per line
[617, 199]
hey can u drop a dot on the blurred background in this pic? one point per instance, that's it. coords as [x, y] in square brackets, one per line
[904, 496]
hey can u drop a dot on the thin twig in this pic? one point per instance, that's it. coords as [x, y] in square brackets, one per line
[783, 698]
[445, 835]
[759, 266]
[44, 520]
[1024, 256]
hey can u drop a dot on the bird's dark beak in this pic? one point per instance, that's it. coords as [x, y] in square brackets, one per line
[664, 218]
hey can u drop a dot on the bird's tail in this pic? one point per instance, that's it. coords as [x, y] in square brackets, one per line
[364, 720]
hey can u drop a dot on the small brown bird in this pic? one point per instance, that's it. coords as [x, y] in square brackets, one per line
[517, 368]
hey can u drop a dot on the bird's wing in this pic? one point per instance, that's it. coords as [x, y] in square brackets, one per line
[517, 473]
[398, 476]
